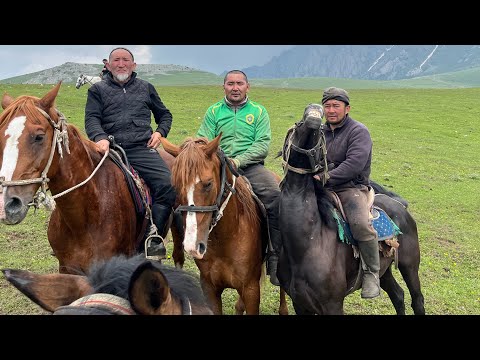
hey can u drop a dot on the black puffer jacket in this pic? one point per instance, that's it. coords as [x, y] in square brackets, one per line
[125, 111]
[349, 148]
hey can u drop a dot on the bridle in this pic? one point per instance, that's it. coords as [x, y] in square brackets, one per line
[225, 193]
[59, 140]
[108, 304]
[316, 166]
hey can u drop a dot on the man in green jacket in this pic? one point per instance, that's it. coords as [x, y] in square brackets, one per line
[246, 136]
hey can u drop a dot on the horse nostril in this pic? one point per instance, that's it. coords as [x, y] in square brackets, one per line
[13, 205]
[202, 248]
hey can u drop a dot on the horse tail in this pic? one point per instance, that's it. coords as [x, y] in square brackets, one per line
[379, 189]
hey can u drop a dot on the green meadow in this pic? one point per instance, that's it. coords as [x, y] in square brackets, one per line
[426, 146]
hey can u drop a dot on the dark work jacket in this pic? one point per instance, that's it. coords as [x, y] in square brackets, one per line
[349, 148]
[124, 111]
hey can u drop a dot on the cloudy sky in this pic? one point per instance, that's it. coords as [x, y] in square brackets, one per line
[24, 59]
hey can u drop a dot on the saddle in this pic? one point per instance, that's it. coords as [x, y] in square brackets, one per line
[140, 198]
[386, 229]
[138, 189]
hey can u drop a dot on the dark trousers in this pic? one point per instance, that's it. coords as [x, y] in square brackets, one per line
[265, 186]
[357, 212]
[154, 171]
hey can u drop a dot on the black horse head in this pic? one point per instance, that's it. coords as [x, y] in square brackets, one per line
[118, 286]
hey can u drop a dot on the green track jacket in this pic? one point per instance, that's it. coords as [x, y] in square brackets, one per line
[246, 132]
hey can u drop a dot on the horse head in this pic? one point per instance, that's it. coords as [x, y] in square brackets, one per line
[80, 81]
[196, 174]
[304, 148]
[30, 130]
[118, 286]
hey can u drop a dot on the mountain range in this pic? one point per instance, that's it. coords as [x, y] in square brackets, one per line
[368, 62]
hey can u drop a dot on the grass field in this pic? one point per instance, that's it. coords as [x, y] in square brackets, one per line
[426, 146]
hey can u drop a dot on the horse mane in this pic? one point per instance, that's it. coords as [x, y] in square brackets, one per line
[112, 276]
[325, 205]
[28, 105]
[192, 160]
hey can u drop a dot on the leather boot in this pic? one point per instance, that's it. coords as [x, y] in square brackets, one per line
[272, 256]
[155, 246]
[370, 258]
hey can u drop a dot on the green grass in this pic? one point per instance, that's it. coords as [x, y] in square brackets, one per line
[426, 146]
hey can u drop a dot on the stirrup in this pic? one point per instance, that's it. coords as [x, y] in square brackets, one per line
[162, 254]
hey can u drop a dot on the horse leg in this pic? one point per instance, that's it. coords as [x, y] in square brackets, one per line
[283, 309]
[177, 235]
[250, 295]
[394, 291]
[300, 310]
[239, 306]
[410, 275]
[212, 295]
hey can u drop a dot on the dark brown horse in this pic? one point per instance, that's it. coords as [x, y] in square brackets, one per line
[224, 231]
[117, 286]
[94, 216]
[315, 268]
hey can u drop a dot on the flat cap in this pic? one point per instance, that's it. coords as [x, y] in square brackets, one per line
[335, 94]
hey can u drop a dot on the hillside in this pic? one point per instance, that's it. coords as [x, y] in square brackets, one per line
[158, 74]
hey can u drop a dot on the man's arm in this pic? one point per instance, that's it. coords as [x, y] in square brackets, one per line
[163, 116]
[356, 158]
[93, 116]
[207, 128]
[258, 151]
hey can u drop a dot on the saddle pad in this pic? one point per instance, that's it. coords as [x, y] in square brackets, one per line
[383, 225]
[136, 196]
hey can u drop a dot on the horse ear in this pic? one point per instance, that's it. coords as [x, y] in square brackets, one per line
[6, 100]
[49, 291]
[170, 148]
[148, 291]
[48, 100]
[212, 146]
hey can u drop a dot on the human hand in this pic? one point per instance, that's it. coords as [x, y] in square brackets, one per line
[236, 162]
[154, 141]
[103, 145]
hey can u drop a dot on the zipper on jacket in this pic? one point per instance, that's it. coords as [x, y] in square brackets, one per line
[124, 91]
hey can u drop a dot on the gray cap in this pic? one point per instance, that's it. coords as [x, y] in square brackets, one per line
[335, 94]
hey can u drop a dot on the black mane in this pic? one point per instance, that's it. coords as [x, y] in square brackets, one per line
[112, 277]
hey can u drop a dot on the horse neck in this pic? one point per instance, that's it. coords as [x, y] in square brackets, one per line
[73, 168]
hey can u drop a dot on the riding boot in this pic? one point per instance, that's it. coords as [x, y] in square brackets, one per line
[370, 258]
[155, 249]
[272, 257]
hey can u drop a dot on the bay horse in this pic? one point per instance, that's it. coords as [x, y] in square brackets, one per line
[86, 79]
[315, 268]
[224, 231]
[118, 286]
[94, 215]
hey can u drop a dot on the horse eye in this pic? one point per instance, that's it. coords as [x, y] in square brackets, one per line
[39, 137]
[207, 186]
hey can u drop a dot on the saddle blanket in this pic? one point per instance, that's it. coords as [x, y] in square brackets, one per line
[385, 227]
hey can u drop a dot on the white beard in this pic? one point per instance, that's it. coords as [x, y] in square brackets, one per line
[122, 77]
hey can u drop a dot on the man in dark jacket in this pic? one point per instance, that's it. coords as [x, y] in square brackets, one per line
[349, 154]
[105, 70]
[121, 106]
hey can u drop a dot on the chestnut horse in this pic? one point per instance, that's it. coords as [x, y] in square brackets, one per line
[224, 231]
[94, 216]
[117, 286]
[315, 268]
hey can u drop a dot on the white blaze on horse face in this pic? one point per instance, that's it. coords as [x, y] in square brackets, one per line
[10, 154]
[191, 223]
